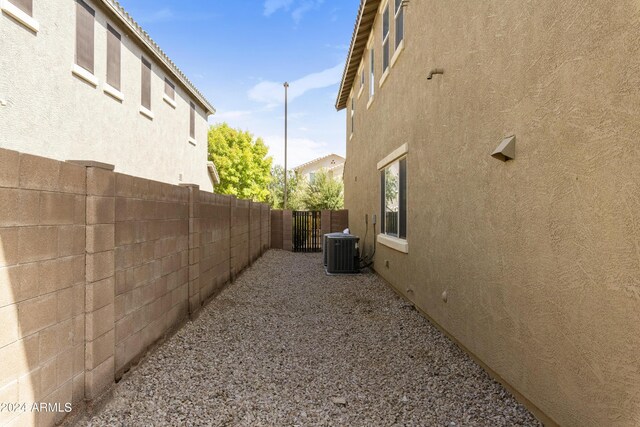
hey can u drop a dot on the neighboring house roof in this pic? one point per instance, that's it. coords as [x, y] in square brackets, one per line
[152, 46]
[319, 159]
[213, 172]
[359, 39]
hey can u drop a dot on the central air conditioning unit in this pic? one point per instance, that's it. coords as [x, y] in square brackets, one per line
[342, 254]
[324, 245]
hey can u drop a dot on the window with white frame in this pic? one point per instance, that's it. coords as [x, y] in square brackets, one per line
[372, 73]
[21, 11]
[385, 38]
[113, 57]
[393, 196]
[399, 12]
[353, 111]
[362, 79]
[24, 5]
[85, 21]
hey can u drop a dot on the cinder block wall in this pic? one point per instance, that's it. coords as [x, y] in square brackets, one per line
[151, 263]
[97, 266]
[42, 277]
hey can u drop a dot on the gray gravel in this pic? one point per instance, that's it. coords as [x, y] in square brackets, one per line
[287, 345]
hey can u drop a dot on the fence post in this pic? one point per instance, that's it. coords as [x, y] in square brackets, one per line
[195, 300]
[287, 219]
[100, 280]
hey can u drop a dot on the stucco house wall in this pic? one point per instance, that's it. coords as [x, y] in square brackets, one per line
[532, 265]
[48, 111]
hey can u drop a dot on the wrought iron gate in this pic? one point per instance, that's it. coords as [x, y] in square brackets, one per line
[307, 231]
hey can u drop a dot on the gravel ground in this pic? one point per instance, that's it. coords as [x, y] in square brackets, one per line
[287, 345]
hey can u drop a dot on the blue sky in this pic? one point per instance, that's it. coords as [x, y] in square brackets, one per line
[238, 53]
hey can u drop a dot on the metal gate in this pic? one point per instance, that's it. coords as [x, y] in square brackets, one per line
[307, 231]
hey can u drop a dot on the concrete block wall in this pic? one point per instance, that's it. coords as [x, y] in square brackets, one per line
[214, 240]
[240, 210]
[151, 264]
[97, 266]
[42, 284]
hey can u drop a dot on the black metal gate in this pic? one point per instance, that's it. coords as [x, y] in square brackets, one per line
[307, 231]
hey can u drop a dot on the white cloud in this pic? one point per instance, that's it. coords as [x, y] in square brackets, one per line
[299, 150]
[300, 7]
[271, 6]
[222, 116]
[272, 93]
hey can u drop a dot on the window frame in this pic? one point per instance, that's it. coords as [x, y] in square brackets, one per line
[192, 122]
[398, 15]
[79, 59]
[386, 38]
[168, 98]
[21, 13]
[110, 88]
[353, 112]
[372, 75]
[397, 242]
[146, 68]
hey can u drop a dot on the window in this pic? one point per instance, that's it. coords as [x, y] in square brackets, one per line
[169, 89]
[24, 5]
[192, 121]
[385, 39]
[145, 98]
[399, 22]
[312, 177]
[372, 73]
[393, 185]
[113, 57]
[353, 111]
[362, 79]
[84, 35]
[169, 93]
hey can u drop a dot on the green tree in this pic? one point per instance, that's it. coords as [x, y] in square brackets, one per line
[276, 189]
[242, 163]
[323, 193]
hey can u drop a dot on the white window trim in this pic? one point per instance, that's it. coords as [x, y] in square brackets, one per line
[384, 77]
[400, 245]
[147, 113]
[20, 16]
[397, 53]
[110, 90]
[193, 141]
[370, 102]
[395, 155]
[85, 75]
[395, 23]
[360, 82]
[385, 39]
[170, 101]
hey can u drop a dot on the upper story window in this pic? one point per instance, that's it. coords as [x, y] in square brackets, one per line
[192, 121]
[169, 93]
[385, 38]
[353, 113]
[393, 185]
[113, 58]
[85, 18]
[399, 22]
[372, 73]
[21, 11]
[361, 80]
[24, 5]
[145, 95]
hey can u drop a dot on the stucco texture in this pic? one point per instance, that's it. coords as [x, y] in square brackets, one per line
[539, 256]
[52, 113]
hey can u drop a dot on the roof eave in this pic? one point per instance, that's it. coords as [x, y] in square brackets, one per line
[358, 45]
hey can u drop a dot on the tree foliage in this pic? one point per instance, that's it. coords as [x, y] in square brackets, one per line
[242, 163]
[294, 189]
[323, 193]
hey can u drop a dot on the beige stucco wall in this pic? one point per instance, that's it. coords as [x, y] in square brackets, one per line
[52, 113]
[540, 256]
